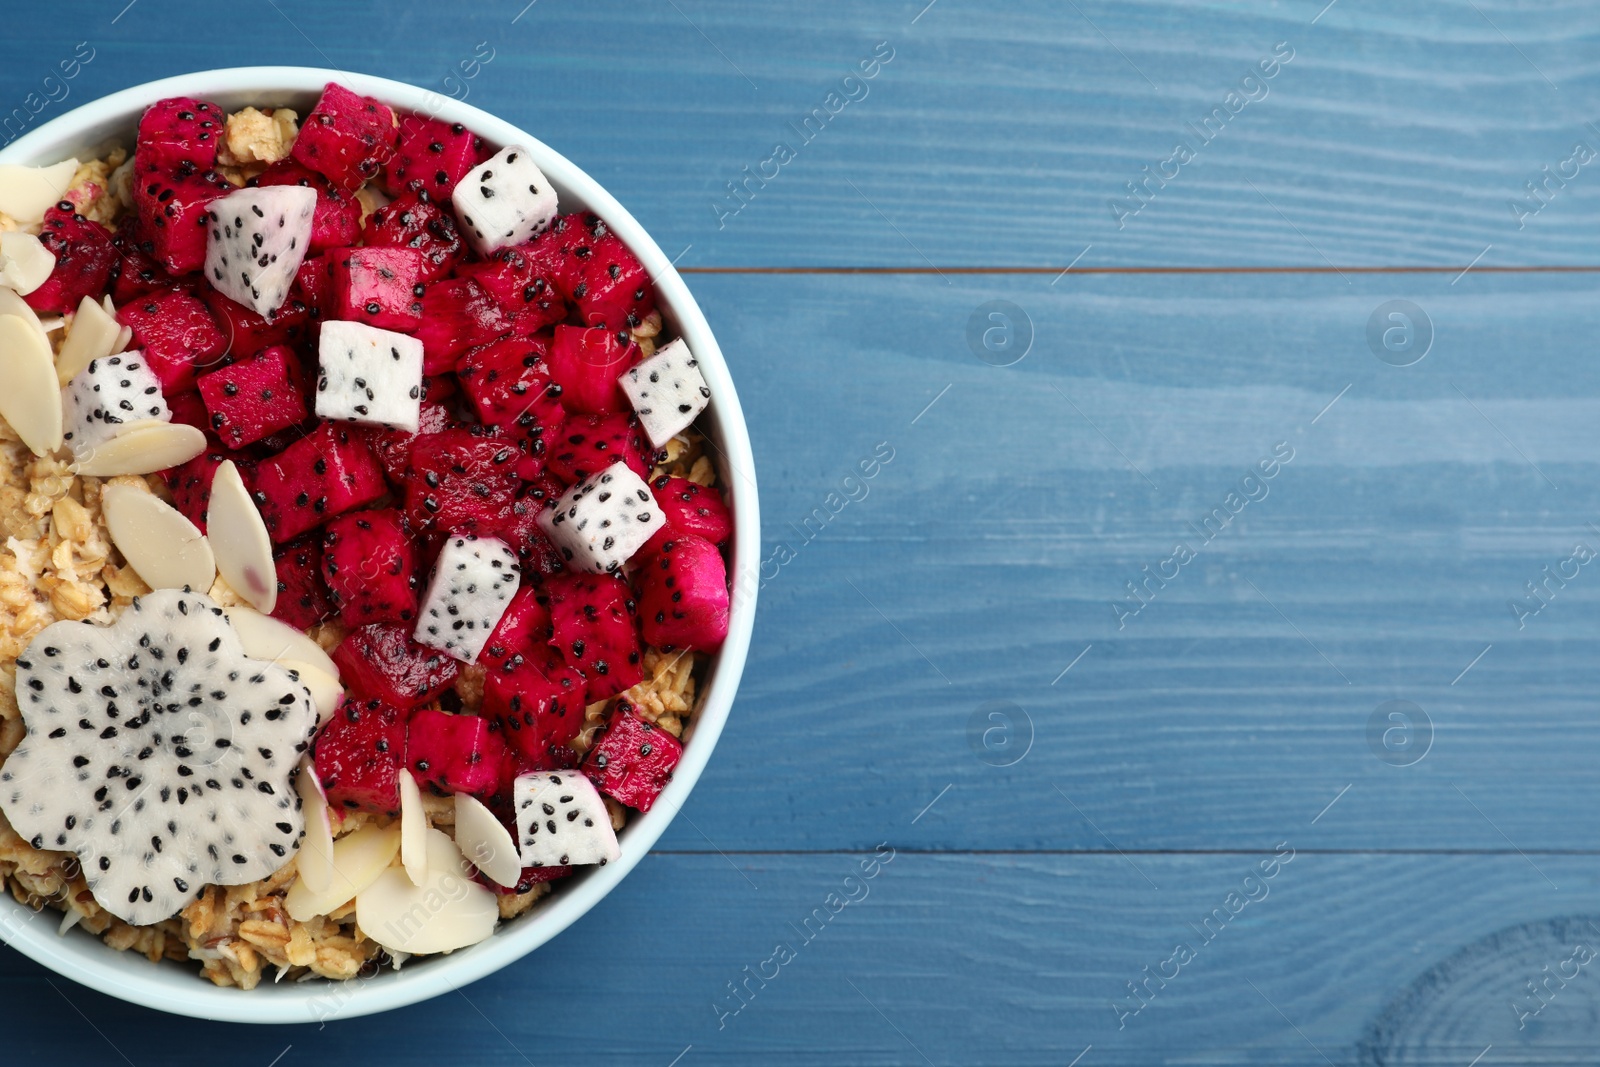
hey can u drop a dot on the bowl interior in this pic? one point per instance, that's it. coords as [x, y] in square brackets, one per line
[93, 130]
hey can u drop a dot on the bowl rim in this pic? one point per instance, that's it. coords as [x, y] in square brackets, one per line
[84, 958]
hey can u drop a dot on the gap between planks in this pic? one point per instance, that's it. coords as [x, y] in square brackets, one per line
[1547, 269]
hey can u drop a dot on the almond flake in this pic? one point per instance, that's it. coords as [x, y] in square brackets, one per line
[165, 548]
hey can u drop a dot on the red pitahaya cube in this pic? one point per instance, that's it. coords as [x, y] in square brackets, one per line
[85, 258]
[326, 473]
[190, 484]
[179, 132]
[521, 635]
[438, 388]
[137, 272]
[521, 279]
[588, 444]
[461, 479]
[456, 315]
[546, 489]
[381, 662]
[255, 397]
[189, 410]
[508, 379]
[632, 761]
[381, 287]
[683, 595]
[303, 599]
[586, 363]
[432, 156]
[518, 527]
[173, 210]
[414, 221]
[393, 447]
[689, 509]
[565, 246]
[584, 252]
[248, 333]
[347, 138]
[613, 289]
[370, 567]
[313, 284]
[455, 753]
[359, 755]
[539, 708]
[337, 220]
[178, 335]
[593, 627]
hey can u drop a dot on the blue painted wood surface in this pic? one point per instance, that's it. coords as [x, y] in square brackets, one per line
[951, 662]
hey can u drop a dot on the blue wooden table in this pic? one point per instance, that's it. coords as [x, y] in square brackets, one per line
[1214, 649]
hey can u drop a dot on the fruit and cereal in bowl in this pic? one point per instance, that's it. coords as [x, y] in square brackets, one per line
[367, 554]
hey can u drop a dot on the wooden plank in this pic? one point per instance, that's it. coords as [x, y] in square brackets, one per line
[986, 556]
[998, 134]
[976, 960]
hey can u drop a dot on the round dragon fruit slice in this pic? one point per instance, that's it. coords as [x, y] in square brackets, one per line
[158, 753]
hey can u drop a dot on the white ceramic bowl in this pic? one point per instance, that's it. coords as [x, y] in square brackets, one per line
[90, 131]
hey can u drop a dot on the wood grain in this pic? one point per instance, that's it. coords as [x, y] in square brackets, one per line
[986, 556]
[998, 134]
[974, 960]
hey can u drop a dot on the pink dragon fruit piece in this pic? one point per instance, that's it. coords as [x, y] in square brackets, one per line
[178, 132]
[326, 473]
[683, 595]
[455, 753]
[381, 662]
[173, 211]
[347, 138]
[593, 628]
[370, 564]
[255, 397]
[359, 755]
[632, 761]
[433, 156]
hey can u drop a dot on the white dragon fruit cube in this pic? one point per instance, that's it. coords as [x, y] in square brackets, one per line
[473, 582]
[109, 393]
[255, 244]
[369, 375]
[602, 521]
[667, 392]
[505, 201]
[562, 821]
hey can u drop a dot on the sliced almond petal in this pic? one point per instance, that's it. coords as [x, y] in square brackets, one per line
[25, 263]
[165, 548]
[447, 912]
[26, 193]
[413, 830]
[12, 304]
[93, 333]
[326, 692]
[315, 860]
[31, 400]
[141, 447]
[239, 538]
[266, 638]
[485, 842]
[124, 339]
[359, 858]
